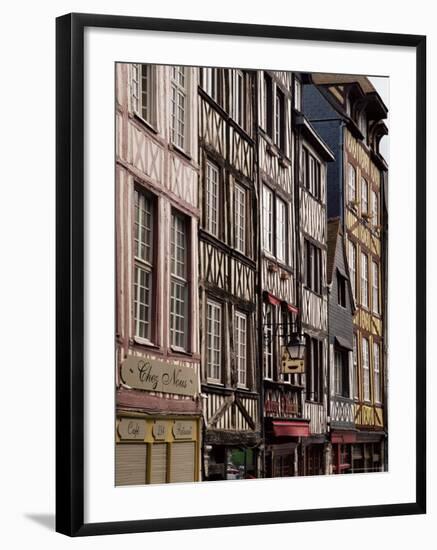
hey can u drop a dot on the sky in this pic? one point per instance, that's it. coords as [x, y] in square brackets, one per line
[382, 86]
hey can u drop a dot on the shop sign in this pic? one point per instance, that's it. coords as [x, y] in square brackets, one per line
[293, 366]
[183, 429]
[132, 428]
[154, 375]
[159, 430]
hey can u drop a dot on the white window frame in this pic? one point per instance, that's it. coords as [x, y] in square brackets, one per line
[366, 369]
[279, 115]
[143, 254]
[238, 98]
[240, 218]
[375, 288]
[353, 267]
[377, 372]
[281, 229]
[179, 107]
[179, 287]
[214, 323]
[211, 82]
[269, 320]
[297, 94]
[268, 207]
[143, 91]
[364, 196]
[212, 189]
[356, 389]
[352, 183]
[364, 280]
[375, 209]
[241, 333]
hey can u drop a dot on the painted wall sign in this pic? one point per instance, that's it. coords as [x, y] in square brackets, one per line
[183, 429]
[132, 428]
[293, 366]
[154, 375]
[159, 430]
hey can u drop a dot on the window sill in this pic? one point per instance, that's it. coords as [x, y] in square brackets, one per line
[179, 150]
[145, 343]
[180, 351]
[214, 383]
[145, 123]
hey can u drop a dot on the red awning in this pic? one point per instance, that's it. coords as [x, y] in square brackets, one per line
[291, 429]
[271, 299]
[343, 437]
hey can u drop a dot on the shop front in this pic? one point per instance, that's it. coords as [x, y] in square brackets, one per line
[343, 442]
[281, 450]
[368, 453]
[156, 450]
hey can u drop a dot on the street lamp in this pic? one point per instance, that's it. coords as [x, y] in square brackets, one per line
[296, 346]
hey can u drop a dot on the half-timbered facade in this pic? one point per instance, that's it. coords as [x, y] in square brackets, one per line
[314, 156]
[227, 279]
[349, 114]
[342, 387]
[158, 407]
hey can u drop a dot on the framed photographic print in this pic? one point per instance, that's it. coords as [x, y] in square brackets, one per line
[240, 274]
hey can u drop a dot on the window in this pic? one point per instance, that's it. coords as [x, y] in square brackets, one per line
[352, 183]
[268, 219]
[312, 174]
[375, 212]
[143, 91]
[269, 317]
[178, 111]
[377, 373]
[313, 262]
[355, 360]
[314, 369]
[341, 290]
[179, 282]
[364, 280]
[341, 372]
[143, 240]
[212, 198]
[375, 287]
[353, 266]
[238, 97]
[211, 83]
[240, 219]
[364, 196]
[279, 120]
[241, 347]
[281, 229]
[213, 341]
[297, 94]
[366, 370]
[267, 105]
[362, 124]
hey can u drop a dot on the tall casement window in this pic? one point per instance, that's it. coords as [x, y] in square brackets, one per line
[179, 106]
[240, 215]
[211, 83]
[238, 97]
[375, 287]
[355, 360]
[240, 322]
[313, 267]
[267, 117]
[143, 246]
[214, 341]
[341, 372]
[341, 290]
[279, 119]
[364, 280]
[297, 94]
[353, 267]
[377, 374]
[364, 196]
[281, 229]
[375, 213]
[366, 369]
[143, 91]
[269, 317]
[212, 198]
[179, 282]
[312, 174]
[268, 219]
[314, 369]
[352, 183]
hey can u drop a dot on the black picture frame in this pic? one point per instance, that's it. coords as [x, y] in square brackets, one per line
[70, 273]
